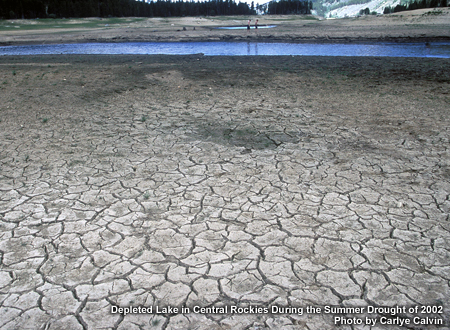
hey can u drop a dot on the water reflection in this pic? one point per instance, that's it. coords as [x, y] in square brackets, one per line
[249, 48]
[244, 27]
[434, 49]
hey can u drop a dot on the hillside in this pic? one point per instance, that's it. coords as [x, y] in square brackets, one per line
[352, 8]
[346, 8]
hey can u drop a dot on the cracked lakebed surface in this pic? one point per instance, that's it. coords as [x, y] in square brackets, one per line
[183, 181]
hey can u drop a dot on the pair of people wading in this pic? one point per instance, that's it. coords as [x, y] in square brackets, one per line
[248, 24]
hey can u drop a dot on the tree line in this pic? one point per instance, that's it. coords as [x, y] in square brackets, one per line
[417, 4]
[119, 8]
[131, 8]
[286, 7]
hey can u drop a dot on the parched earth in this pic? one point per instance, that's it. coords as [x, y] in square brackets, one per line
[248, 182]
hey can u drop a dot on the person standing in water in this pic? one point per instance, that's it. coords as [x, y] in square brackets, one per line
[256, 24]
[248, 24]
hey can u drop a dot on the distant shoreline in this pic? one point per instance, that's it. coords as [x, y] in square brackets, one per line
[411, 26]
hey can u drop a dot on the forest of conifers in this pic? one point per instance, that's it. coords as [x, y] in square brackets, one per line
[416, 4]
[127, 8]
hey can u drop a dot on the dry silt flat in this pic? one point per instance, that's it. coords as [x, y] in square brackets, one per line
[246, 182]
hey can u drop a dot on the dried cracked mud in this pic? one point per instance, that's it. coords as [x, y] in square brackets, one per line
[245, 183]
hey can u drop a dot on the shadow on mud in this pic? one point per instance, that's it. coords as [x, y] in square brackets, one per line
[247, 137]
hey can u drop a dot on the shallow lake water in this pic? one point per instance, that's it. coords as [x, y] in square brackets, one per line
[391, 49]
[245, 27]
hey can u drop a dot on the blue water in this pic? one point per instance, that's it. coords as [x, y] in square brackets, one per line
[245, 27]
[435, 49]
